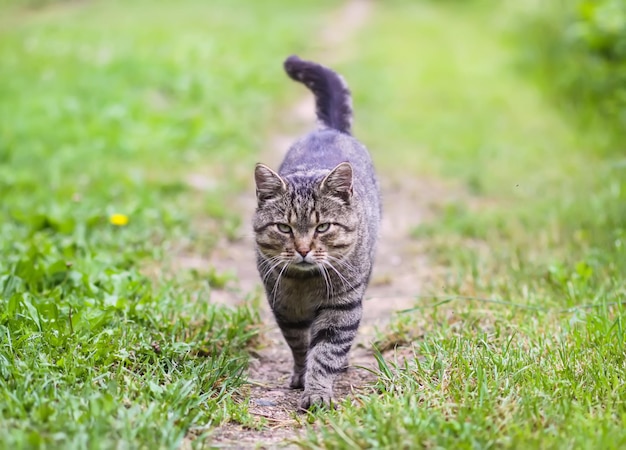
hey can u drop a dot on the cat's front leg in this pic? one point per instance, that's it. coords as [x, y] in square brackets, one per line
[296, 333]
[332, 334]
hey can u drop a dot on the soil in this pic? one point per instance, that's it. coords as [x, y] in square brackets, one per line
[398, 275]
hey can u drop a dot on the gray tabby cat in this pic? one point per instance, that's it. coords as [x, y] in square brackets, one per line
[316, 226]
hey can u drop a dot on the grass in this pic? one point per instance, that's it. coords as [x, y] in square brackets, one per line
[499, 384]
[158, 114]
[108, 108]
[578, 54]
[520, 343]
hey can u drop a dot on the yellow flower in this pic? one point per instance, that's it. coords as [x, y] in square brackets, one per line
[119, 220]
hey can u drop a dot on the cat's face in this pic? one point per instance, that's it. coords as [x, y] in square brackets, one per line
[305, 224]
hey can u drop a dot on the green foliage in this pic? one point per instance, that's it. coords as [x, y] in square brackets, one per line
[472, 383]
[107, 109]
[517, 338]
[601, 25]
[97, 355]
[580, 49]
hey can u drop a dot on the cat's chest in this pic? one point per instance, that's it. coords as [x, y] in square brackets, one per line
[302, 295]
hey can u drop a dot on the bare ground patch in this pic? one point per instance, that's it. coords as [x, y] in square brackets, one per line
[398, 275]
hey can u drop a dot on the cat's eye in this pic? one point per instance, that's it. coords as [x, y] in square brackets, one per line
[283, 228]
[322, 227]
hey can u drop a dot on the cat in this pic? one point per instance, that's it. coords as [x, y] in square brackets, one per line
[316, 226]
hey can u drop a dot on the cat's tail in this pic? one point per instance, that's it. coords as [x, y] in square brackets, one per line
[332, 96]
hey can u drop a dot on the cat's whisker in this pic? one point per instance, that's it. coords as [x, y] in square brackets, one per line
[268, 262]
[346, 267]
[327, 282]
[343, 279]
[271, 269]
[341, 262]
[277, 283]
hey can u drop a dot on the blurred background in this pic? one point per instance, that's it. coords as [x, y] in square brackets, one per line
[128, 134]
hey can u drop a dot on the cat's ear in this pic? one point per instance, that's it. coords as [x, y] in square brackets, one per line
[269, 184]
[338, 183]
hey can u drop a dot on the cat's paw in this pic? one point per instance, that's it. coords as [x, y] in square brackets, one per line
[297, 380]
[312, 399]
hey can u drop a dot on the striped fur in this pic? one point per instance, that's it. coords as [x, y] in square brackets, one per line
[332, 96]
[316, 226]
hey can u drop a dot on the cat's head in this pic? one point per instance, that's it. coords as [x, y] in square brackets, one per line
[305, 221]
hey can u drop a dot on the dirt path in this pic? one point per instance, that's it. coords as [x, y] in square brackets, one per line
[395, 282]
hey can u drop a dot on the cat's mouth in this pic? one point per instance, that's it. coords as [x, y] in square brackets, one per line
[304, 265]
[304, 261]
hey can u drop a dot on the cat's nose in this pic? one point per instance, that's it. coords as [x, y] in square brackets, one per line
[303, 251]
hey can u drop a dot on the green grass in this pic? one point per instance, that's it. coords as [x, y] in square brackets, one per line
[504, 383]
[111, 107]
[577, 52]
[520, 342]
[107, 107]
